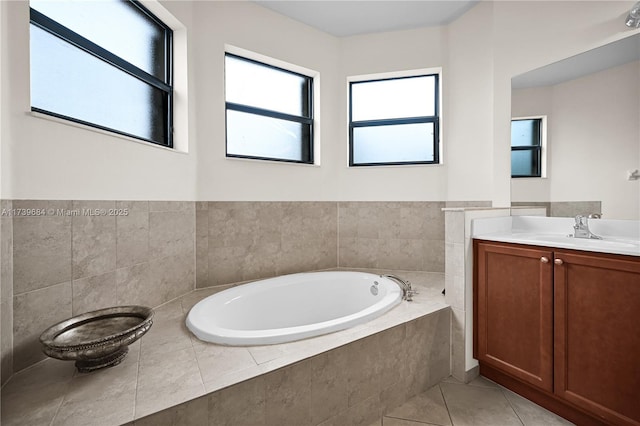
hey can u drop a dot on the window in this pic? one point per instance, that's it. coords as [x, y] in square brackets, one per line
[105, 64]
[526, 147]
[394, 121]
[269, 113]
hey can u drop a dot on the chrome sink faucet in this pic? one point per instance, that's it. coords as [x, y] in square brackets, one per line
[581, 228]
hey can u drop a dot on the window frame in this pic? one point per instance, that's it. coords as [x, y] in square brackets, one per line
[540, 149]
[67, 35]
[435, 119]
[307, 148]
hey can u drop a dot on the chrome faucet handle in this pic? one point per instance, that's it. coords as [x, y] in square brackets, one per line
[595, 216]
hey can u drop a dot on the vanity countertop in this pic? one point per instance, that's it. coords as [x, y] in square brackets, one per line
[618, 236]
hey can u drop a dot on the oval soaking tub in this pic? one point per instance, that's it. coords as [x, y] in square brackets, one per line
[292, 307]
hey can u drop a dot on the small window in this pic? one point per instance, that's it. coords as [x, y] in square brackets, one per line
[394, 121]
[269, 114]
[105, 64]
[526, 147]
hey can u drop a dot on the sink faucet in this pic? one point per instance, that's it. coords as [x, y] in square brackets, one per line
[581, 228]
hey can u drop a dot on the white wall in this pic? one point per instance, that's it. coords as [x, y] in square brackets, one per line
[386, 53]
[249, 26]
[479, 53]
[44, 159]
[469, 95]
[531, 34]
[528, 103]
[594, 138]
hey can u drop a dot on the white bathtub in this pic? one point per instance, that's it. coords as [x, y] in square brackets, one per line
[292, 307]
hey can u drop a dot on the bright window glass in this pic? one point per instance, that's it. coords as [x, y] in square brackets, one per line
[105, 64]
[62, 76]
[399, 98]
[394, 144]
[394, 121]
[526, 147]
[269, 113]
[115, 25]
[253, 84]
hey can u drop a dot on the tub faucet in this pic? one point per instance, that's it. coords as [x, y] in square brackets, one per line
[581, 228]
[405, 285]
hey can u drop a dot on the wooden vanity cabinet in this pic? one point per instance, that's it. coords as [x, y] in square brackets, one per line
[515, 311]
[561, 327]
[597, 334]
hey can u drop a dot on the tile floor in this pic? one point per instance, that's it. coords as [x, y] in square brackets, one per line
[480, 402]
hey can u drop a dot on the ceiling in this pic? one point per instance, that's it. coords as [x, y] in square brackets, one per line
[347, 18]
[610, 55]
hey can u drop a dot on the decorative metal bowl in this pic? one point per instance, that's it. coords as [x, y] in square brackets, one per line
[97, 339]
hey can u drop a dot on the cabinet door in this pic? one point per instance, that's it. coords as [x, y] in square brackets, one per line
[597, 334]
[514, 311]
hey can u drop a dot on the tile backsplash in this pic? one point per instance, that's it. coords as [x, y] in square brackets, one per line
[240, 241]
[69, 257]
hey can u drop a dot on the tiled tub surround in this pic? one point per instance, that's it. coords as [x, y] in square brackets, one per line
[238, 241]
[66, 262]
[169, 377]
[564, 208]
[6, 293]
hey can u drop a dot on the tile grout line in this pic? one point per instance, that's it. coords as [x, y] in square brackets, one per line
[64, 397]
[511, 405]
[135, 394]
[445, 403]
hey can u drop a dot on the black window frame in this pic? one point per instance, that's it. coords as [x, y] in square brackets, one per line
[307, 148]
[537, 149]
[60, 31]
[435, 119]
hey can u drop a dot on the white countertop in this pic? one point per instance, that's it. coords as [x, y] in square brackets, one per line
[618, 236]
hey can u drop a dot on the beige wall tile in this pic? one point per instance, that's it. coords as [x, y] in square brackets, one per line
[288, 395]
[6, 341]
[6, 251]
[458, 364]
[132, 238]
[33, 313]
[329, 391]
[241, 404]
[135, 287]
[433, 252]
[173, 276]
[191, 413]
[41, 252]
[94, 240]
[400, 254]
[132, 206]
[366, 412]
[96, 292]
[171, 206]
[358, 252]
[363, 369]
[171, 233]
[391, 235]
[573, 208]
[202, 248]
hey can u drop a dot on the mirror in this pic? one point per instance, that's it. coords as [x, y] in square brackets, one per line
[591, 105]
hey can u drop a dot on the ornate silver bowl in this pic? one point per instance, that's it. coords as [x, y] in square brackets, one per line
[97, 339]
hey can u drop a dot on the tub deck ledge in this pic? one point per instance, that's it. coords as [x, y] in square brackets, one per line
[170, 366]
